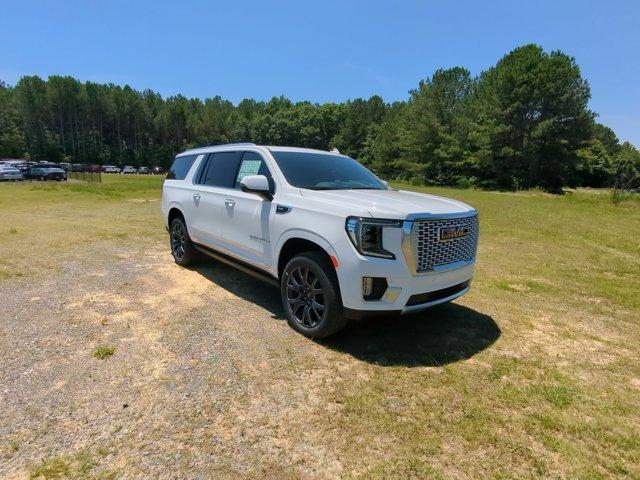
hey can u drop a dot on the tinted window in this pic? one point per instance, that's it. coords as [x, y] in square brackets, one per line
[319, 171]
[221, 169]
[180, 167]
[253, 164]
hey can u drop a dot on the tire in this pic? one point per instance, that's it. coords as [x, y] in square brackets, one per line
[302, 277]
[181, 245]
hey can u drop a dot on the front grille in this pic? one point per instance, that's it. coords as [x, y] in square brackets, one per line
[429, 251]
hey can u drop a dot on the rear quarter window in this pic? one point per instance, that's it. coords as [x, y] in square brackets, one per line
[180, 167]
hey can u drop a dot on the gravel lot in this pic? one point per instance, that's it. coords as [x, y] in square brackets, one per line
[206, 380]
[180, 373]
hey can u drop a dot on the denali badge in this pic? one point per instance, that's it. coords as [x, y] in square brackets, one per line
[449, 233]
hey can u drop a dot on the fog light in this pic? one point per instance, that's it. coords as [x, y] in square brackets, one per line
[373, 288]
[367, 286]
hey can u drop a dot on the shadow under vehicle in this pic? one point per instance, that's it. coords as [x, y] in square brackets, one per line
[443, 334]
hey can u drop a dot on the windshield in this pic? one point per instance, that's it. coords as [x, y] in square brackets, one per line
[319, 171]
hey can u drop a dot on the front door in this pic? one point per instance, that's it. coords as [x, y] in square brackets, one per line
[246, 226]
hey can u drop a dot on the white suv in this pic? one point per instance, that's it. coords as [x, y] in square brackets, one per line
[337, 240]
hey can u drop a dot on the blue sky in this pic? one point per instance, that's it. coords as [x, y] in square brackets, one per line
[319, 51]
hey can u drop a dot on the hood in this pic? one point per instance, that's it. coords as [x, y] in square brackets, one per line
[395, 204]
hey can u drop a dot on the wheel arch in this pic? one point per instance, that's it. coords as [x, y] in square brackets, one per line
[302, 241]
[174, 212]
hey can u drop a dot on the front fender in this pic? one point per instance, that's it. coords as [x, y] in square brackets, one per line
[306, 235]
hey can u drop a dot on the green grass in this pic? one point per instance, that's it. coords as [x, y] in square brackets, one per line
[556, 395]
[103, 351]
[80, 466]
[44, 225]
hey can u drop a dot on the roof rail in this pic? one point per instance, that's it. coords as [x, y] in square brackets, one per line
[239, 144]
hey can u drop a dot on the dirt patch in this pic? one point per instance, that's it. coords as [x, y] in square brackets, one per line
[185, 384]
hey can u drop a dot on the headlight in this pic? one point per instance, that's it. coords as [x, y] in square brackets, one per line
[366, 235]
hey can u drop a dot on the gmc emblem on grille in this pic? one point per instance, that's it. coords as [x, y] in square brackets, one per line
[450, 233]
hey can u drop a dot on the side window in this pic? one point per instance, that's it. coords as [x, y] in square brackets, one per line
[253, 164]
[221, 169]
[180, 167]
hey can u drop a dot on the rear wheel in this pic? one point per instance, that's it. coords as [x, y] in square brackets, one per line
[182, 248]
[311, 297]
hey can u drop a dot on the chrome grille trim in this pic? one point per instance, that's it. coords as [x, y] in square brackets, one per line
[424, 251]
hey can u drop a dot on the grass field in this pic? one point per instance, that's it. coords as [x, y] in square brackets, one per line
[534, 373]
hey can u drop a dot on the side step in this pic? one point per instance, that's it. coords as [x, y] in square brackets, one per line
[249, 270]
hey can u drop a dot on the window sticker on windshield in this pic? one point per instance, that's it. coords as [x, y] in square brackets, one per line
[248, 167]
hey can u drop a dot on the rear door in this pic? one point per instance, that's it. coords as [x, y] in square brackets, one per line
[211, 182]
[246, 225]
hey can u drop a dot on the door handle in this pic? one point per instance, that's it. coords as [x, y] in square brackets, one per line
[229, 203]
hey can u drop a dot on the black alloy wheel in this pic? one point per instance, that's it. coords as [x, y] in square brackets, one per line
[311, 295]
[182, 249]
[305, 297]
[178, 237]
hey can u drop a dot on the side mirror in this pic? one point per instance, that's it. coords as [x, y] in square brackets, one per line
[256, 184]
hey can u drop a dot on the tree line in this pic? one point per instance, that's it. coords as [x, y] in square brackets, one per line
[522, 123]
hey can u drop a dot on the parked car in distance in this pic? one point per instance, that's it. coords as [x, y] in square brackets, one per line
[29, 169]
[110, 169]
[157, 170]
[48, 173]
[338, 241]
[129, 169]
[144, 170]
[11, 162]
[25, 167]
[9, 173]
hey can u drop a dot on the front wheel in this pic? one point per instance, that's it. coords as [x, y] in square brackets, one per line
[182, 248]
[311, 297]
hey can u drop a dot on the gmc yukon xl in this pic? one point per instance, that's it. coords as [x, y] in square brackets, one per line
[338, 242]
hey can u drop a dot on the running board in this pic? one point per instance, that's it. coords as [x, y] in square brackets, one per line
[249, 270]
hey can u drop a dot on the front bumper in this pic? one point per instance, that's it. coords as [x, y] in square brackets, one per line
[402, 284]
[460, 290]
